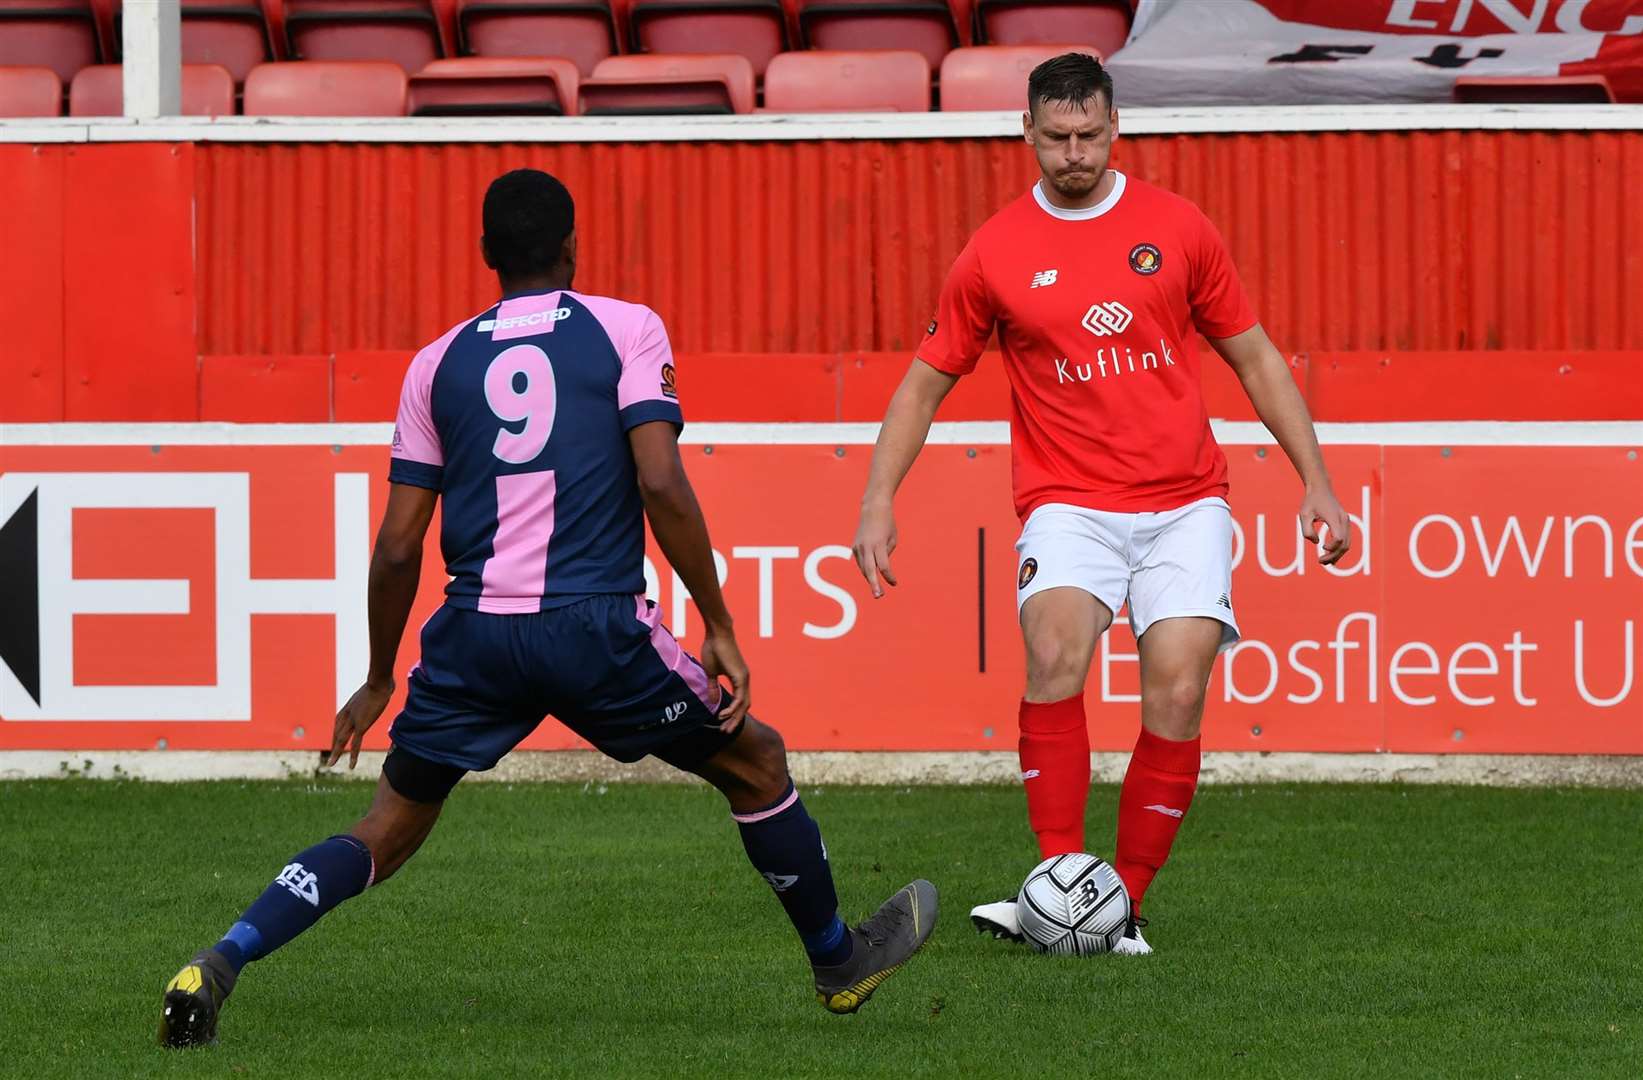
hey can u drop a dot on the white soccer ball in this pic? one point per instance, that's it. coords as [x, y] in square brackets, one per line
[1073, 905]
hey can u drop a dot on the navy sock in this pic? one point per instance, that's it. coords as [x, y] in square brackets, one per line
[312, 883]
[784, 844]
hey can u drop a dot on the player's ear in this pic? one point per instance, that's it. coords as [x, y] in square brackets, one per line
[1027, 126]
[485, 253]
[567, 252]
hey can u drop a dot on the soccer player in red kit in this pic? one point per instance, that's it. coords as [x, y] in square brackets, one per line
[1095, 282]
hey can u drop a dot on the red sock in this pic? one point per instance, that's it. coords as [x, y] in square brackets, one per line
[1157, 792]
[1055, 766]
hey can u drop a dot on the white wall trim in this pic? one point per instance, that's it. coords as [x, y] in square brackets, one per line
[765, 127]
[813, 768]
[1619, 433]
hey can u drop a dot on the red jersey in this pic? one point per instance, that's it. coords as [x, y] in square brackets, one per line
[1095, 311]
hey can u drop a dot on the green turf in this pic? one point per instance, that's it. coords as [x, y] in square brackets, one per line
[1303, 931]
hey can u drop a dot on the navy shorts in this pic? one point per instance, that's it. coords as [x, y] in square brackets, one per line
[603, 666]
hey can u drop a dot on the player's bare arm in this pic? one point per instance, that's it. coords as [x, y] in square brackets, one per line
[901, 437]
[1278, 402]
[396, 567]
[681, 532]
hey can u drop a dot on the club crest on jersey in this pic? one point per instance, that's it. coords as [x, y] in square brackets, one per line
[670, 387]
[1145, 259]
[1029, 570]
[932, 328]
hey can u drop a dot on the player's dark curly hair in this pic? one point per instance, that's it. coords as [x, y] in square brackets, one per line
[1072, 78]
[527, 216]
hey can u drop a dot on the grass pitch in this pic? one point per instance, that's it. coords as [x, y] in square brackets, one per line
[1302, 931]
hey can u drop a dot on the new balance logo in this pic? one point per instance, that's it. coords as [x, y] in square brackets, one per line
[1043, 278]
[1225, 601]
[1167, 811]
[673, 712]
[781, 882]
[1109, 318]
[303, 884]
[1030, 774]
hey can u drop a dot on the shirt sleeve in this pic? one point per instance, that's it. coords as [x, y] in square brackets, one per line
[965, 315]
[416, 457]
[648, 388]
[1220, 307]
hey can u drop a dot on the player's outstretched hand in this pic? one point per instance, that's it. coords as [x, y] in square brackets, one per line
[1322, 507]
[722, 656]
[355, 720]
[875, 543]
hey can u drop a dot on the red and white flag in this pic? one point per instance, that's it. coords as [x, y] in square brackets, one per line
[1244, 52]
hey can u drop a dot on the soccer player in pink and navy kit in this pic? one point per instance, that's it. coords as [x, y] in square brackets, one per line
[548, 425]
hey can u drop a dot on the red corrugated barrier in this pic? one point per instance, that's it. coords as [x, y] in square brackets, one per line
[266, 389]
[140, 257]
[1349, 241]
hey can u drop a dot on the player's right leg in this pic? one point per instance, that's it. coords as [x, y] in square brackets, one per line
[1072, 577]
[1061, 626]
[633, 691]
[784, 844]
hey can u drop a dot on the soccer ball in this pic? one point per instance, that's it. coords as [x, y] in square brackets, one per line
[1073, 905]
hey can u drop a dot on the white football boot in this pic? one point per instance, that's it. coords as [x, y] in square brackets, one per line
[999, 919]
[1132, 943]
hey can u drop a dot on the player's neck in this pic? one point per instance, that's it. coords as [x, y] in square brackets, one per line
[1102, 189]
[553, 281]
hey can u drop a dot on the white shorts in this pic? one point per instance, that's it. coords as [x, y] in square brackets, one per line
[1167, 565]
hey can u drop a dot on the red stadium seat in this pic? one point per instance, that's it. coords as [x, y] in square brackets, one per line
[495, 86]
[58, 34]
[404, 32]
[233, 33]
[991, 77]
[756, 29]
[881, 81]
[207, 90]
[669, 85]
[326, 88]
[923, 26]
[582, 31]
[30, 91]
[1546, 90]
[1105, 24]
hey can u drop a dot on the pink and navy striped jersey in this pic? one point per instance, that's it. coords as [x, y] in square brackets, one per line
[519, 417]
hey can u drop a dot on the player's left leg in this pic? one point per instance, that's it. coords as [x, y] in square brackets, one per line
[313, 882]
[449, 725]
[1180, 608]
[1176, 657]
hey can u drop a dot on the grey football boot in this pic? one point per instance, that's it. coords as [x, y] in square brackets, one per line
[883, 943]
[194, 999]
